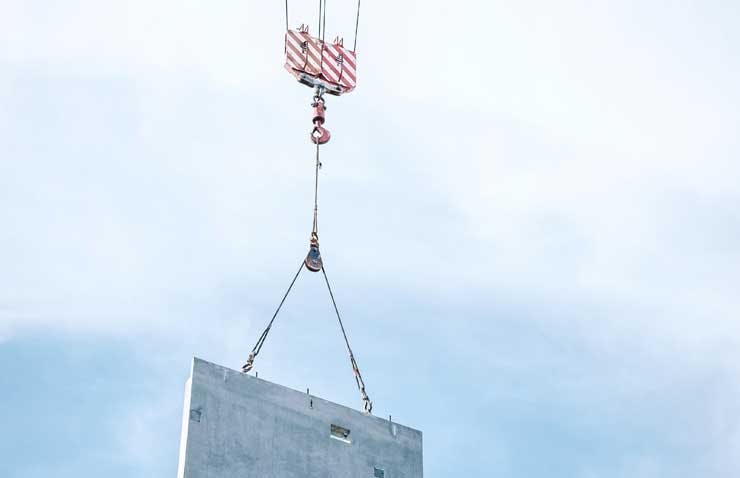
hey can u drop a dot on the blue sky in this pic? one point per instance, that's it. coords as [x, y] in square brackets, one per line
[529, 212]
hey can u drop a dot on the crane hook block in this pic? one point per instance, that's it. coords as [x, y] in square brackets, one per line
[317, 63]
[313, 259]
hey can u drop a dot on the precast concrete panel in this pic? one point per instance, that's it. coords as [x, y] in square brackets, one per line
[238, 426]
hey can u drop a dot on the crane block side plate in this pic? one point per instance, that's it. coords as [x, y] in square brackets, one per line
[338, 66]
[316, 63]
[303, 52]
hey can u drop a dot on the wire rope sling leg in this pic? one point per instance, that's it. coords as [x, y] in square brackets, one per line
[261, 341]
[367, 404]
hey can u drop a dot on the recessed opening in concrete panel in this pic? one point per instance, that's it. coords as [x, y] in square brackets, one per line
[236, 425]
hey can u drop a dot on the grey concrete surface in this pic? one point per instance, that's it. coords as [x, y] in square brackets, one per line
[236, 425]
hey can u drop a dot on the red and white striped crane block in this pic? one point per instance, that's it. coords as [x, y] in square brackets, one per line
[317, 63]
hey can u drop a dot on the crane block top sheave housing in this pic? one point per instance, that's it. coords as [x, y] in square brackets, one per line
[317, 63]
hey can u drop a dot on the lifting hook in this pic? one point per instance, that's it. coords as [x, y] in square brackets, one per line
[319, 135]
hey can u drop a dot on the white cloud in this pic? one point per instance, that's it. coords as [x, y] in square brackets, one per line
[569, 161]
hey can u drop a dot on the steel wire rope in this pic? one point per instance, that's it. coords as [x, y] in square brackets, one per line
[357, 26]
[315, 228]
[322, 31]
[321, 6]
[323, 27]
[258, 346]
[367, 403]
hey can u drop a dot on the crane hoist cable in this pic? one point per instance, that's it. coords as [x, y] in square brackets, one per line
[286, 16]
[357, 26]
[322, 21]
